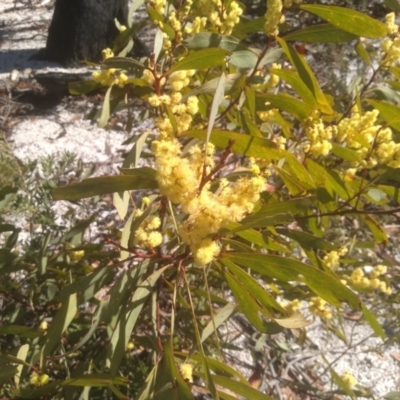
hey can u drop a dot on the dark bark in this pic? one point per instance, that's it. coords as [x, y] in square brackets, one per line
[81, 29]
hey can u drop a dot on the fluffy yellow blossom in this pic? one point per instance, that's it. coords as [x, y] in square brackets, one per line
[152, 222]
[156, 101]
[206, 251]
[148, 76]
[349, 379]
[158, 5]
[372, 142]
[390, 51]
[273, 17]
[273, 79]
[320, 137]
[320, 308]
[267, 116]
[192, 105]
[197, 26]
[179, 179]
[44, 325]
[292, 306]
[145, 201]
[187, 372]
[154, 239]
[392, 27]
[109, 77]
[130, 345]
[179, 79]
[107, 53]
[378, 271]
[331, 259]
[39, 379]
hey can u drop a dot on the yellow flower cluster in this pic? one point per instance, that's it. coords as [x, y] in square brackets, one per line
[319, 307]
[359, 281]
[292, 306]
[196, 26]
[223, 17]
[186, 371]
[180, 79]
[147, 235]
[179, 179]
[107, 53]
[320, 137]
[39, 379]
[109, 77]
[372, 142]
[349, 379]
[390, 46]
[272, 17]
[331, 259]
[158, 5]
[273, 80]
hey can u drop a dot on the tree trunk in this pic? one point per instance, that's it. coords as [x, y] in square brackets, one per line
[81, 29]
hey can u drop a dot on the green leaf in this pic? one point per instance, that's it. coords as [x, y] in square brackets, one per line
[395, 6]
[392, 396]
[307, 76]
[217, 100]
[243, 59]
[362, 52]
[388, 113]
[60, 323]
[129, 318]
[254, 289]
[286, 103]
[205, 40]
[102, 185]
[257, 238]
[23, 331]
[375, 228]
[286, 269]
[306, 240]
[83, 87]
[345, 153]
[262, 221]
[325, 33]
[96, 380]
[374, 324]
[201, 59]
[210, 86]
[105, 111]
[170, 383]
[7, 372]
[349, 20]
[240, 388]
[328, 178]
[244, 27]
[249, 305]
[219, 318]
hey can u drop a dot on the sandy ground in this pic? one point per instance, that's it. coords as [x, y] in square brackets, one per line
[23, 27]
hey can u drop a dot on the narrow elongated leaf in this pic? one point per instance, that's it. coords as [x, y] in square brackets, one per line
[307, 240]
[349, 20]
[325, 33]
[19, 330]
[205, 40]
[219, 318]
[128, 321]
[395, 6]
[217, 100]
[240, 388]
[243, 59]
[102, 185]
[388, 113]
[202, 59]
[126, 63]
[374, 324]
[96, 380]
[170, 383]
[105, 110]
[287, 269]
[286, 103]
[376, 229]
[60, 323]
[307, 76]
[250, 306]
[262, 296]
